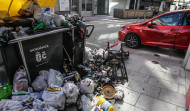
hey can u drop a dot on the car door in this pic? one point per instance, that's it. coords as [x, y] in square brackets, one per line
[163, 30]
[183, 36]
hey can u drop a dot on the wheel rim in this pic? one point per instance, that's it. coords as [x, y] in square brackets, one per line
[132, 41]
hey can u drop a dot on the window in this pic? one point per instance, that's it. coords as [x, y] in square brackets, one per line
[86, 5]
[167, 20]
[186, 19]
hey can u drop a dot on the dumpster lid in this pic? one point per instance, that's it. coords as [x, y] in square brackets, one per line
[13, 6]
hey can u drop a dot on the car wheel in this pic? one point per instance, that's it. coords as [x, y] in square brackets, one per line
[132, 40]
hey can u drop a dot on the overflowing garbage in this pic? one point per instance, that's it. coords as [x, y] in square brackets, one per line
[88, 87]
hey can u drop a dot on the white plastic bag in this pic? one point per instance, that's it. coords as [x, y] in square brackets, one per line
[42, 15]
[20, 96]
[70, 90]
[90, 55]
[86, 103]
[10, 105]
[20, 82]
[54, 97]
[58, 20]
[87, 86]
[55, 78]
[41, 81]
[119, 93]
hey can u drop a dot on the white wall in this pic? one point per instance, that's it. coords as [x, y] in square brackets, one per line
[120, 4]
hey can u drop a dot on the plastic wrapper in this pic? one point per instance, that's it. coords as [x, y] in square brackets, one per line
[20, 81]
[40, 83]
[87, 86]
[70, 90]
[10, 105]
[55, 78]
[20, 96]
[54, 97]
[119, 93]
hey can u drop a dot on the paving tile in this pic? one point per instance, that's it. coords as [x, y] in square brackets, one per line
[175, 66]
[150, 104]
[182, 73]
[182, 89]
[175, 78]
[144, 88]
[140, 77]
[174, 60]
[155, 73]
[130, 97]
[172, 97]
[180, 109]
[163, 84]
[145, 70]
[172, 71]
[133, 67]
[138, 109]
[121, 106]
[130, 73]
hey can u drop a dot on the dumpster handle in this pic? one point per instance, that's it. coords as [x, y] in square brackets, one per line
[24, 60]
[88, 35]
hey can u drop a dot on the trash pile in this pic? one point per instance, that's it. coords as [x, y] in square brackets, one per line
[91, 86]
[34, 19]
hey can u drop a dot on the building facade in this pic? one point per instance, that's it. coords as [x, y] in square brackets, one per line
[106, 7]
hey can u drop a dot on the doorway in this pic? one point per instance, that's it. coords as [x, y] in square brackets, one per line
[102, 7]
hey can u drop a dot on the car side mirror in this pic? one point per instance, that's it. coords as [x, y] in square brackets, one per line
[149, 24]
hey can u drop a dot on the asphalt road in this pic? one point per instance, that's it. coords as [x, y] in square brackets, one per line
[106, 30]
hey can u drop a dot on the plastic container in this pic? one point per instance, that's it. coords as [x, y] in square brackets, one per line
[105, 104]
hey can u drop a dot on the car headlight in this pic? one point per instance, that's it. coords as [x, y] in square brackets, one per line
[121, 29]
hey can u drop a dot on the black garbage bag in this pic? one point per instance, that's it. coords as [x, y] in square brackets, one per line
[5, 36]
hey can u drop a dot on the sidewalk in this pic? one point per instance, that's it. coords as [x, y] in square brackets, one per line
[156, 81]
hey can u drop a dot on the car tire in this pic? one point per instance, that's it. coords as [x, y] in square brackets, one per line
[132, 40]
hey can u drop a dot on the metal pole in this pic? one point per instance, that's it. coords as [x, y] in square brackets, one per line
[73, 40]
[24, 60]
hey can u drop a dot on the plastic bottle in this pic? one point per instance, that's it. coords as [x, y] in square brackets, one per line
[105, 104]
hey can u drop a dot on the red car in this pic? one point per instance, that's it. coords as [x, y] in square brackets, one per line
[170, 30]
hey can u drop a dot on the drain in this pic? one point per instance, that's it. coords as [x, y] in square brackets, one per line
[155, 62]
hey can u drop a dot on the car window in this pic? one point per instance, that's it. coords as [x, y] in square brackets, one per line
[186, 19]
[167, 20]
